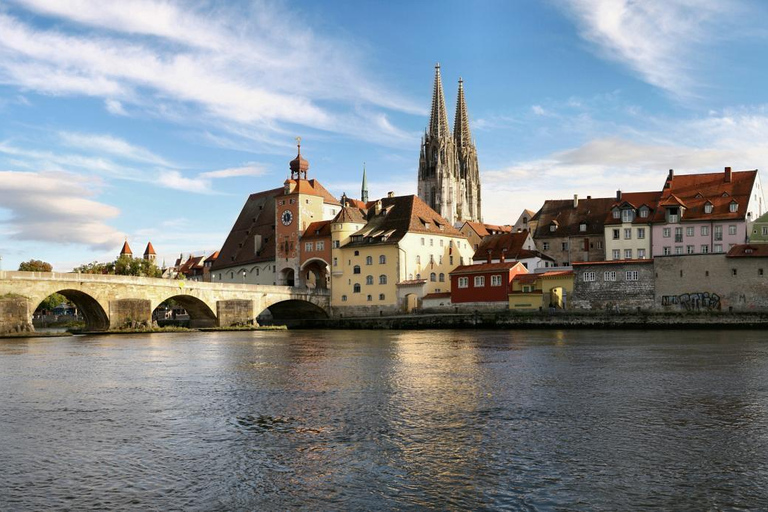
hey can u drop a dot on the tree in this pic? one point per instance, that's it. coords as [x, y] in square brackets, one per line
[52, 301]
[35, 266]
[122, 266]
[91, 268]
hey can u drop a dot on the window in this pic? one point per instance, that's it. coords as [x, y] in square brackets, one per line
[765, 230]
[673, 214]
[616, 234]
[689, 231]
[418, 259]
[718, 248]
[357, 253]
[733, 272]
[640, 233]
[708, 208]
[496, 280]
[627, 254]
[450, 260]
[369, 298]
[422, 241]
[356, 269]
[704, 230]
[381, 296]
[644, 212]
[641, 254]
[527, 288]
[320, 245]
[565, 246]
[627, 215]
[760, 272]
[704, 249]
[356, 288]
[463, 282]
[441, 242]
[582, 227]
[343, 298]
[479, 281]
[545, 246]
[336, 244]
[678, 235]
[368, 279]
[609, 276]
[732, 229]
[335, 262]
[667, 250]
[678, 249]
[733, 207]
[616, 214]
[718, 232]
[441, 278]
[382, 259]
[552, 227]
[382, 279]
[369, 260]
[308, 246]
[690, 249]
[588, 277]
[433, 277]
[631, 275]
[667, 232]
[440, 259]
[627, 233]
[599, 244]
[616, 254]
[431, 242]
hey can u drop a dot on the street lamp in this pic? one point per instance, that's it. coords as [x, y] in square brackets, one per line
[243, 276]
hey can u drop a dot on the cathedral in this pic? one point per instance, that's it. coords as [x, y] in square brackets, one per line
[449, 175]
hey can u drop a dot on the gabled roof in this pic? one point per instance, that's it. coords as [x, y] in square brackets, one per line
[126, 248]
[635, 200]
[672, 200]
[695, 190]
[351, 214]
[212, 257]
[508, 244]
[399, 216]
[486, 267]
[256, 218]
[191, 264]
[313, 188]
[149, 250]
[319, 229]
[567, 218]
[488, 229]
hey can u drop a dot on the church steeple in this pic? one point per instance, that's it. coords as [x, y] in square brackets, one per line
[438, 120]
[364, 191]
[461, 123]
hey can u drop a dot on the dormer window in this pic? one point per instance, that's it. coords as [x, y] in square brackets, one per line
[627, 215]
[616, 214]
[673, 214]
[708, 208]
[644, 212]
[733, 207]
[699, 196]
[583, 226]
[552, 227]
[725, 194]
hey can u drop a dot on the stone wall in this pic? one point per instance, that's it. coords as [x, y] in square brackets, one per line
[711, 282]
[234, 312]
[620, 294]
[14, 315]
[131, 313]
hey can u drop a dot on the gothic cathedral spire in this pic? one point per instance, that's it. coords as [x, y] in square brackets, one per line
[364, 189]
[449, 180]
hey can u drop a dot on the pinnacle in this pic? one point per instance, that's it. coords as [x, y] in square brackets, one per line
[438, 120]
[461, 123]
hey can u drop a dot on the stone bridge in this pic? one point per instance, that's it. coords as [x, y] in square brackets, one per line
[109, 302]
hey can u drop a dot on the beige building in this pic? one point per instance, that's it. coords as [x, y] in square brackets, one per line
[628, 226]
[387, 258]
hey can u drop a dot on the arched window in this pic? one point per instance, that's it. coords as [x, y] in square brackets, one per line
[418, 276]
[433, 277]
[381, 296]
[343, 298]
[356, 288]
[231, 275]
[382, 279]
[382, 259]
[369, 260]
[356, 269]
[442, 277]
[257, 271]
[368, 279]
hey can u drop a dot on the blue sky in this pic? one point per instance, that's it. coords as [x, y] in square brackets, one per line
[153, 120]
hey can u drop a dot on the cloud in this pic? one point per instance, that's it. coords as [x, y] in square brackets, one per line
[658, 39]
[114, 146]
[232, 65]
[54, 207]
[247, 170]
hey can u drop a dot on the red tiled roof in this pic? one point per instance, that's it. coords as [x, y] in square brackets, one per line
[350, 214]
[149, 250]
[126, 248]
[557, 273]
[635, 200]
[486, 267]
[748, 251]
[313, 188]
[319, 229]
[591, 211]
[441, 295]
[213, 256]
[488, 229]
[509, 244]
[526, 278]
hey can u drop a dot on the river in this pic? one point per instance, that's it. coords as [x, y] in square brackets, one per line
[386, 420]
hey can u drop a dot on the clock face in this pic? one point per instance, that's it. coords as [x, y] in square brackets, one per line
[287, 217]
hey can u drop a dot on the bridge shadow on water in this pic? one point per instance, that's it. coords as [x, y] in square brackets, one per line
[291, 312]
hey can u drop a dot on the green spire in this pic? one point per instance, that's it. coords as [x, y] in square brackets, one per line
[364, 192]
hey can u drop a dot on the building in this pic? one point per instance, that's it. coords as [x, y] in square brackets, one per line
[449, 174]
[484, 283]
[525, 222]
[149, 253]
[476, 231]
[619, 286]
[759, 233]
[628, 226]
[388, 257]
[542, 290]
[316, 255]
[126, 250]
[572, 231]
[706, 213]
[517, 246]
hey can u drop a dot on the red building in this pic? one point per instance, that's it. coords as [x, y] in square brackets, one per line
[486, 282]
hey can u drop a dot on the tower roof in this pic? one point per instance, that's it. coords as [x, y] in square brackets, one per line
[438, 120]
[299, 164]
[149, 250]
[461, 124]
[126, 249]
[364, 190]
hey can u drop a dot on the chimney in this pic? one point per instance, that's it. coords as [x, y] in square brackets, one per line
[727, 174]
[503, 254]
[390, 194]
[575, 200]
[671, 175]
[618, 195]
[489, 256]
[377, 208]
[589, 197]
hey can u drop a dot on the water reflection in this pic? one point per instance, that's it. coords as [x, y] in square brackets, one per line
[534, 420]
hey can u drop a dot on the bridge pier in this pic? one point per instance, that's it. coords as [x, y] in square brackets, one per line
[130, 313]
[15, 314]
[234, 312]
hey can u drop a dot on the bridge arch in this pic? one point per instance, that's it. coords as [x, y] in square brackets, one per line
[200, 313]
[290, 309]
[94, 314]
[315, 274]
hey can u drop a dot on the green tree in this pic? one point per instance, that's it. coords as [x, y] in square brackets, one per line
[35, 266]
[91, 268]
[52, 301]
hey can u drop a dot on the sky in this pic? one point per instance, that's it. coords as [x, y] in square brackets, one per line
[152, 120]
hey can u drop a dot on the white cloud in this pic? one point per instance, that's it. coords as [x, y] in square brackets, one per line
[114, 107]
[102, 143]
[175, 180]
[657, 39]
[247, 170]
[53, 207]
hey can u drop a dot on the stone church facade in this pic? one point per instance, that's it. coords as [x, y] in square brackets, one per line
[449, 175]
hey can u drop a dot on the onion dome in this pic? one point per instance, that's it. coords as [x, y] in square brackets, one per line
[299, 166]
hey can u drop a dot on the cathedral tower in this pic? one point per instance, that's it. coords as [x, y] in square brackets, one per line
[449, 179]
